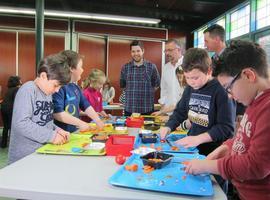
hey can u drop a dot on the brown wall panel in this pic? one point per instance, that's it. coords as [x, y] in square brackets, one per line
[7, 58]
[110, 29]
[26, 56]
[53, 43]
[29, 22]
[94, 51]
[119, 54]
[27, 52]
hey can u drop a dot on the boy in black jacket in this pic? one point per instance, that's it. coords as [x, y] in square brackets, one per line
[205, 103]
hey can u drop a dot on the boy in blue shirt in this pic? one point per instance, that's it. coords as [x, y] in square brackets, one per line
[70, 100]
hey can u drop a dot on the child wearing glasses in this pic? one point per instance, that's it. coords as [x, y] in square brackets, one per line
[205, 103]
[245, 159]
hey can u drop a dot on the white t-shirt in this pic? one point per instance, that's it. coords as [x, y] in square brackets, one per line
[170, 92]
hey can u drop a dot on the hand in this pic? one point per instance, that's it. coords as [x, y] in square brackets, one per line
[157, 113]
[219, 152]
[189, 141]
[195, 167]
[163, 132]
[163, 118]
[100, 124]
[61, 137]
[83, 126]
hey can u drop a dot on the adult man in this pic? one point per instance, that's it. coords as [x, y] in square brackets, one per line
[214, 39]
[171, 92]
[139, 78]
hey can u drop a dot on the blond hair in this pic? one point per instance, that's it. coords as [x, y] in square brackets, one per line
[96, 77]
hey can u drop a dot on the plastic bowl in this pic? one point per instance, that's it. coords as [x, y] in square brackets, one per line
[156, 159]
[148, 138]
[99, 138]
[152, 127]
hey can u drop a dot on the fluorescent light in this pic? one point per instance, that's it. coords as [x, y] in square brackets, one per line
[94, 16]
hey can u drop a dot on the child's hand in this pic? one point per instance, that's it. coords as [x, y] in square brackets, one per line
[61, 137]
[100, 124]
[189, 141]
[219, 152]
[195, 167]
[163, 132]
[83, 126]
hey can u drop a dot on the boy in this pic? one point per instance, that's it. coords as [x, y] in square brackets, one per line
[245, 158]
[32, 121]
[70, 100]
[205, 103]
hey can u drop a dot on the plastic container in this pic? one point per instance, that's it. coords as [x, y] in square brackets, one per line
[148, 138]
[160, 159]
[152, 127]
[119, 144]
[134, 122]
[100, 138]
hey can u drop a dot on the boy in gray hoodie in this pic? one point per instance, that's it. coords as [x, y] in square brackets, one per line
[32, 122]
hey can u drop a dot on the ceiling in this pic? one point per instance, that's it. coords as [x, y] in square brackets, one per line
[181, 15]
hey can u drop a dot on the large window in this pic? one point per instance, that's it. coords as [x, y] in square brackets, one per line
[263, 13]
[221, 22]
[201, 38]
[240, 22]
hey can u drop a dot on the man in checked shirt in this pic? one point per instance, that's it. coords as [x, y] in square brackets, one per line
[140, 79]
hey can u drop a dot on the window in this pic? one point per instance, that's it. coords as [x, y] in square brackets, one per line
[201, 38]
[221, 22]
[263, 13]
[240, 22]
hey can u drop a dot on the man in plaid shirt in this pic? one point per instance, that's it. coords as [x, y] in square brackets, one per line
[140, 78]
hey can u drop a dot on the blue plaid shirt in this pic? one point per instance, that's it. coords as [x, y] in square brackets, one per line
[139, 83]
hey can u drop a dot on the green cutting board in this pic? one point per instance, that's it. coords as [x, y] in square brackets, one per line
[76, 146]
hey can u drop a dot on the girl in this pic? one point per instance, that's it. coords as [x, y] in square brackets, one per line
[96, 80]
[108, 92]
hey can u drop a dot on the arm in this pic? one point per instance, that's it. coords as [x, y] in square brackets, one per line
[255, 159]
[155, 79]
[123, 77]
[163, 89]
[93, 115]
[209, 165]
[180, 113]
[225, 117]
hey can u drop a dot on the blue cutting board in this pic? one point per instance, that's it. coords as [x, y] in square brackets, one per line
[165, 146]
[171, 178]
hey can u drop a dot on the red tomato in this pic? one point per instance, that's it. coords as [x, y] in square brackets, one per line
[120, 159]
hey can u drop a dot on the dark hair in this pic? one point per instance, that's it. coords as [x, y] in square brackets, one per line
[56, 67]
[242, 54]
[196, 58]
[175, 41]
[216, 30]
[73, 58]
[136, 43]
[13, 81]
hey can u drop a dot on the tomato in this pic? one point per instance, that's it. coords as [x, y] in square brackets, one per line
[120, 159]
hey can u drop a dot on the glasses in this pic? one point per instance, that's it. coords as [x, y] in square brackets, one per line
[169, 50]
[229, 87]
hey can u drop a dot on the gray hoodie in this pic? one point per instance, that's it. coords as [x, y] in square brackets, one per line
[32, 122]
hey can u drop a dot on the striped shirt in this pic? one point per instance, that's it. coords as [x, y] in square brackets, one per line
[139, 83]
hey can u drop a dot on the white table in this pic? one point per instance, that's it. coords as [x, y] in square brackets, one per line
[57, 177]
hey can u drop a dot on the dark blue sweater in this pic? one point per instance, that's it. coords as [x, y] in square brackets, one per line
[210, 110]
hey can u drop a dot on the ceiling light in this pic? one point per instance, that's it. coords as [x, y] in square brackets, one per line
[77, 15]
